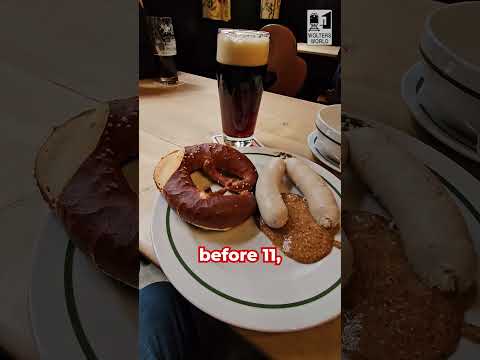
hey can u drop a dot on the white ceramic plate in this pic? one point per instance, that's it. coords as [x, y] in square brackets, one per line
[311, 139]
[465, 190]
[410, 83]
[255, 296]
[76, 311]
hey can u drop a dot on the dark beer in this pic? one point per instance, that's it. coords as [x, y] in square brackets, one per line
[241, 65]
[240, 91]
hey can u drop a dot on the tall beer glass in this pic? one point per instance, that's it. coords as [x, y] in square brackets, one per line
[163, 41]
[242, 57]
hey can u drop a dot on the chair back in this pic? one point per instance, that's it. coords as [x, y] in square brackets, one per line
[290, 69]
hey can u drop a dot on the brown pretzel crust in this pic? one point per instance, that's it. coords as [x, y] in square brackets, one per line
[213, 210]
[98, 207]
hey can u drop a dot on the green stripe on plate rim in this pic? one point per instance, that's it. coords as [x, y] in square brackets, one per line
[232, 298]
[458, 194]
[72, 306]
[68, 273]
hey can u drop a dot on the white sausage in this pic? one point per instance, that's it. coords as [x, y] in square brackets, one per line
[267, 192]
[434, 234]
[321, 202]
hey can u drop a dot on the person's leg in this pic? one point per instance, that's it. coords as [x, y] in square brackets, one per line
[218, 341]
[167, 330]
[172, 329]
[4, 355]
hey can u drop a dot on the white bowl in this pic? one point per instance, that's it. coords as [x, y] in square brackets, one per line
[328, 123]
[451, 57]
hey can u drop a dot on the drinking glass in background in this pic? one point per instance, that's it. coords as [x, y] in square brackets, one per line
[242, 57]
[163, 41]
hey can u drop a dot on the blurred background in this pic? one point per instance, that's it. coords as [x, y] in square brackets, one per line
[196, 37]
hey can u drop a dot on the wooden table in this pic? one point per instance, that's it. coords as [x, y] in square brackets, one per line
[321, 50]
[23, 213]
[189, 114]
[42, 87]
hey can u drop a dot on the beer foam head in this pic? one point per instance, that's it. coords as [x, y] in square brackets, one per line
[242, 47]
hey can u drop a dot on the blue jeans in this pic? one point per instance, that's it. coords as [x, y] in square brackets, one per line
[165, 324]
[173, 329]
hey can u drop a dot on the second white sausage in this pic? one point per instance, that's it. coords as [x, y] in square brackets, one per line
[434, 233]
[321, 202]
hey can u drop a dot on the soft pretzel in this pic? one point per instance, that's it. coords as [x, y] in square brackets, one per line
[211, 210]
[87, 189]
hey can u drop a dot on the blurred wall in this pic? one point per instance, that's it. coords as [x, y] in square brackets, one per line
[380, 43]
[48, 38]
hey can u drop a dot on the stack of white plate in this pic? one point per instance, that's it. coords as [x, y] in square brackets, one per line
[443, 90]
[325, 142]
